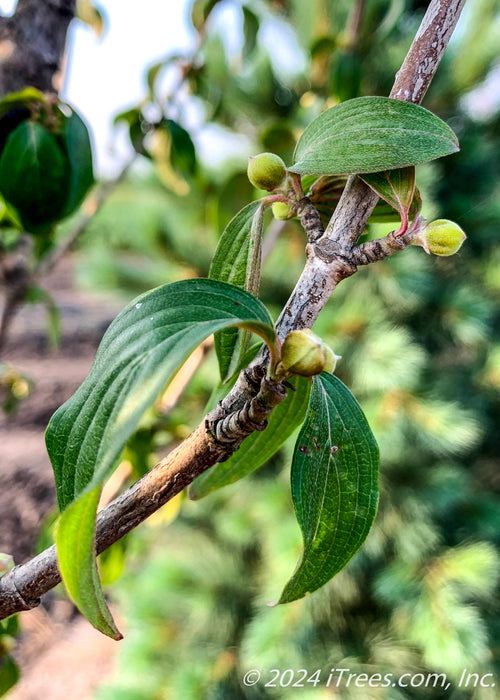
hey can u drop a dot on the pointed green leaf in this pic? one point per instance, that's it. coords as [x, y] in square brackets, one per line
[371, 134]
[34, 175]
[259, 447]
[76, 142]
[237, 260]
[77, 562]
[141, 351]
[334, 485]
[9, 673]
[250, 30]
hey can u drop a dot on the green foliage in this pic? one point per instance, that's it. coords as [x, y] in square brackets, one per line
[371, 134]
[141, 351]
[418, 346]
[237, 260]
[419, 351]
[77, 563]
[9, 670]
[45, 160]
[29, 154]
[334, 485]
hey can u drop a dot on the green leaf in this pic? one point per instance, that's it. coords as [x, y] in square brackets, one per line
[91, 15]
[183, 153]
[396, 187]
[334, 485]
[141, 351]
[9, 674]
[250, 30]
[77, 563]
[371, 134]
[76, 142]
[259, 447]
[34, 176]
[237, 260]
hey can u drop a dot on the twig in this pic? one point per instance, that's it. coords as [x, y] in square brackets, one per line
[91, 207]
[328, 261]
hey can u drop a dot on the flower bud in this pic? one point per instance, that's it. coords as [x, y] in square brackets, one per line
[441, 237]
[304, 353]
[331, 360]
[266, 171]
[281, 211]
[6, 563]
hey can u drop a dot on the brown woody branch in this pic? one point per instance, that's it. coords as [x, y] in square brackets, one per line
[329, 260]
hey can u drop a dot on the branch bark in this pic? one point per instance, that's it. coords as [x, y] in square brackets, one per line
[329, 260]
[32, 44]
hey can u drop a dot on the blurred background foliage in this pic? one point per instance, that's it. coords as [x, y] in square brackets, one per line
[417, 336]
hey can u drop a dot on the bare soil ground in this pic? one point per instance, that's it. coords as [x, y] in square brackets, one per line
[58, 652]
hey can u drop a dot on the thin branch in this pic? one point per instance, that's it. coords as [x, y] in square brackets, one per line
[328, 261]
[214, 440]
[91, 206]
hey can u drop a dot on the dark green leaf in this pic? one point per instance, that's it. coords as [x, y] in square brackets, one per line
[345, 75]
[259, 447]
[183, 153]
[237, 260]
[250, 31]
[371, 134]
[140, 352]
[34, 175]
[9, 673]
[76, 142]
[77, 562]
[334, 485]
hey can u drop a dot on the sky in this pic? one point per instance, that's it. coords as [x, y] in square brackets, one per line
[105, 76]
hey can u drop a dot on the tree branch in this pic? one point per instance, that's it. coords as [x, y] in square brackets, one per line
[32, 44]
[329, 260]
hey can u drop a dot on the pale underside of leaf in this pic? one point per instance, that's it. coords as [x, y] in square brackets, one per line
[77, 562]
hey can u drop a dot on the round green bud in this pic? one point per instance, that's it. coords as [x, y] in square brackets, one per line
[266, 171]
[281, 211]
[304, 353]
[441, 237]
